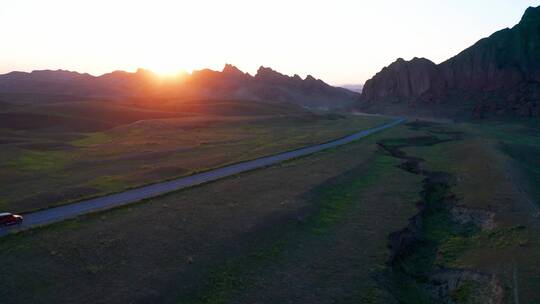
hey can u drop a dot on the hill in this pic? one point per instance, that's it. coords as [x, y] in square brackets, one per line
[266, 85]
[499, 75]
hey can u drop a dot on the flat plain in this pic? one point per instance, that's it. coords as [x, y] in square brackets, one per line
[76, 150]
[318, 229]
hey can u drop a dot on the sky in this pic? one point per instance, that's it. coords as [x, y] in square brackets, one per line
[341, 42]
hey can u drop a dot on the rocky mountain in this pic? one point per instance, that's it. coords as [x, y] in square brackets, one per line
[497, 75]
[230, 83]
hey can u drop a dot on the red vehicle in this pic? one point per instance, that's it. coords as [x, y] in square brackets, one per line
[8, 219]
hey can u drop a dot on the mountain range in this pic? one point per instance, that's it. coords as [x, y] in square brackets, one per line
[499, 75]
[266, 85]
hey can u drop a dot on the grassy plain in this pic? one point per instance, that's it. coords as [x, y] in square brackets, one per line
[292, 231]
[55, 162]
[310, 230]
[497, 185]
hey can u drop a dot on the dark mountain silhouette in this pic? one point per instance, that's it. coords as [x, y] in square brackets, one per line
[231, 83]
[497, 75]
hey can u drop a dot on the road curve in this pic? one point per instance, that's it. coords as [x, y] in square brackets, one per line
[57, 214]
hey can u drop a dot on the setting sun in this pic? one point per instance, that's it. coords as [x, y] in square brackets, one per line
[166, 68]
[168, 61]
[165, 72]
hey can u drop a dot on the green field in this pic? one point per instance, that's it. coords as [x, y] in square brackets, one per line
[52, 164]
[421, 213]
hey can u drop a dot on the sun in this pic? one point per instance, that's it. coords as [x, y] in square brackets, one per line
[168, 68]
[168, 71]
[168, 60]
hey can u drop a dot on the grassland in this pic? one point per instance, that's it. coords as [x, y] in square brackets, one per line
[495, 232]
[319, 229]
[56, 164]
[222, 242]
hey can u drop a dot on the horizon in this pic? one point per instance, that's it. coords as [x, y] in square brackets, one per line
[117, 40]
[180, 74]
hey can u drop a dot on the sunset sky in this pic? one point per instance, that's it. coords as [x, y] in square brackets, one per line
[338, 41]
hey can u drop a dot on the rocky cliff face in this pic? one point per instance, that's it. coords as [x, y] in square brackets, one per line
[499, 74]
[403, 80]
[504, 60]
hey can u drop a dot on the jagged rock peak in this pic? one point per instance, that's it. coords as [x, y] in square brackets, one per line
[264, 71]
[269, 75]
[532, 14]
[415, 60]
[312, 79]
[231, 69]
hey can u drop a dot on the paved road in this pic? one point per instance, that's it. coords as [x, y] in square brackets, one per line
[61, 213]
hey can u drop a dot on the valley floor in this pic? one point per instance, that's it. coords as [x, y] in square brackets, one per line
[56, 163]
[421, 213]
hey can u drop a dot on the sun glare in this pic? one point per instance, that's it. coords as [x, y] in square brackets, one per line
[165, 71]
[167, 65]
